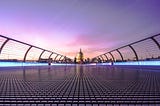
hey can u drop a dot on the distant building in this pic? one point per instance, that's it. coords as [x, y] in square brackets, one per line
[80, 57]
[41, 60]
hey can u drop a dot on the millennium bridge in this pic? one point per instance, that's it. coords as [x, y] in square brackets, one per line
[34, 76]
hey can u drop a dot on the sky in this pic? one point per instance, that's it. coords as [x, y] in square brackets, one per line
[65, 26]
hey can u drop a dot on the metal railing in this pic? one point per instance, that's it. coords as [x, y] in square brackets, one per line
[145, 49]
[14, 50]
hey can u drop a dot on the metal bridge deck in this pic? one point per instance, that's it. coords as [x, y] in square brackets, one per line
[80, 85]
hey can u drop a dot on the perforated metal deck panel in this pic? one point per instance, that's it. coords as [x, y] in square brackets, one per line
[80, 85]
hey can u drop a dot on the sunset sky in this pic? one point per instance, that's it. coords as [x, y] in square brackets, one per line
[65, 26]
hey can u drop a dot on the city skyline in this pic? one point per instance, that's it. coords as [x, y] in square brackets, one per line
[65, 26]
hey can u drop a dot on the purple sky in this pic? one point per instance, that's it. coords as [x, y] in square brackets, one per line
[65, 26]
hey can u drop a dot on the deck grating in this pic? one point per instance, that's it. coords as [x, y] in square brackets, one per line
[80, 85]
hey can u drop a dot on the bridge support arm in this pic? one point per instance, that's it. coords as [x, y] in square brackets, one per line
[24, 60]
[41, 54]
[135, 53]
[5, 42]
[56, 57]
[156, 42]
[120, 54]
[60, 58]
[112, 56]
[63, 58]
[99, 59]
[102, 58]
[50, 55]
[106, 57]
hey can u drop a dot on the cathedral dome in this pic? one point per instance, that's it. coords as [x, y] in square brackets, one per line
[80, 57]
